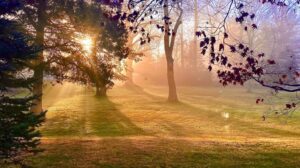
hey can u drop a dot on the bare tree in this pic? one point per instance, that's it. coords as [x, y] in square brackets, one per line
[167, 17]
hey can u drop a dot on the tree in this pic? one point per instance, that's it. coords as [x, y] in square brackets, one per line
[169, 41]
[214, 40]
[99, 67]
[18, 133]
[239, 63]
[51, 24]
[161, 10]
[45, 20]
[254, 64]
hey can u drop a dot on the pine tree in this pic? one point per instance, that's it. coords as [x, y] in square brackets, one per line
[18, 134]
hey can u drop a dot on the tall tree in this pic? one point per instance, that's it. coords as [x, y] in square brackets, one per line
[154, 12]
[108, 36]
[216, 45]
[169, 41]
[46, 21]
[51, 23]
[18, 133]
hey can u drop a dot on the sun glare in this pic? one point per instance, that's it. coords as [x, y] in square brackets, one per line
[87, 44]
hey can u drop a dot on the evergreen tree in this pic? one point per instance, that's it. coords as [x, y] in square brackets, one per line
[18, 134]
[51, 24]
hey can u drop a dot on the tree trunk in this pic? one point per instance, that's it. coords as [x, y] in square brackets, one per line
[95, 72]
[169, 41]
[37, 106]
[101, 91]
[171, 79]
[97, 91]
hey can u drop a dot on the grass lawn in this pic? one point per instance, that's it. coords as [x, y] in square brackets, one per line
[136, 128]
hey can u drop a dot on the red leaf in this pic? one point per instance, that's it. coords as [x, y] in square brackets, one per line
[210, 68]
[271, 62]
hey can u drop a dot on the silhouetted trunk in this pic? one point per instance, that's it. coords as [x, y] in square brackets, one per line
[38, 90]
[95, 72]
[169, 41]
[101, 91]
[39, 62]
[171, 79]
[97, 91]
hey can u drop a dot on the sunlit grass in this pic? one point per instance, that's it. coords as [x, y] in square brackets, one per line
[134, 127]
[74, 111]
[149, 153]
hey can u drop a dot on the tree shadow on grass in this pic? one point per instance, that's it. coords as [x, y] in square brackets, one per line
[246, 126]
[107, 120]
[87, 115]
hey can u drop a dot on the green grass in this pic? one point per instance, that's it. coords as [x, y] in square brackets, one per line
[124, 152]
[88, 116]
[134, 127]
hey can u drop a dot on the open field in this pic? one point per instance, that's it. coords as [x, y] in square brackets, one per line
[135, 127]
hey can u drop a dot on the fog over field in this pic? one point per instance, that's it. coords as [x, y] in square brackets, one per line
[149, 84]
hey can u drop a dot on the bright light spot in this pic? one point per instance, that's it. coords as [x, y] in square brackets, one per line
[87, 44]
[225, 115]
